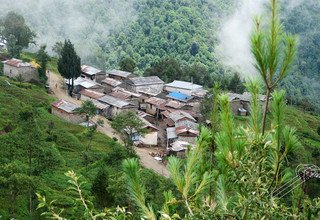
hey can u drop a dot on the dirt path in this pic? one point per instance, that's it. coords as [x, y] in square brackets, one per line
[56, 85]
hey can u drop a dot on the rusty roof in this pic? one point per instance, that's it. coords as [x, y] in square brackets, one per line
[119, 73]
[89, 70]
[175, 104]
[111, 82]
[143, 81]
[156, 101]
[120, 95]
[65, 106]
[17, 63]
[91, 94]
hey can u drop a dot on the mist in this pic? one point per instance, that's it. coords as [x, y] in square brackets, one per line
[234, 37]
[87, 23]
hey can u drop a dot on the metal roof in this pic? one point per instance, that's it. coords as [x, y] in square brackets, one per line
[120, 95]
[179, 96]
[178, 115]
[120, 73]
[110, 100]
[100, 105]
[85, 83]
[143, 81]
[246, 97]
[150, 91]
[184, 85]
[65, 106]
[111, 82]
[91, 94]
[89, 70]
[156, 101]
[175, 104]
[17, 63]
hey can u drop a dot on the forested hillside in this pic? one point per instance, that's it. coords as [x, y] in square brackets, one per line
[303, 86]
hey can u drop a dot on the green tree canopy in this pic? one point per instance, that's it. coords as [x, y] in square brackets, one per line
[127, 64]
[69, 64]
[16, 32]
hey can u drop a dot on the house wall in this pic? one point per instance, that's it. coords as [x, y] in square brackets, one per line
[107, 88]
[150, 139]
[100, 76]
[235, 105]
[151, 109]
[27, 73]
[72, 118]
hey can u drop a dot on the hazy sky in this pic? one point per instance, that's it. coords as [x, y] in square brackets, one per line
[87, 23]
[234, 38]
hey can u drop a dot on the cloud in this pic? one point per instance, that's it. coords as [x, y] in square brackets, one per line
[87, 23]
[234, 37]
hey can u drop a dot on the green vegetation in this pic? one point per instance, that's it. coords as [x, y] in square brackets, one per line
[303, 86]
[69, 64]
[62, 148]
[178, 29]
[16, 32]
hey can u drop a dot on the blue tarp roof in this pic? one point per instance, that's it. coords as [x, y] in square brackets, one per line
[179, 96]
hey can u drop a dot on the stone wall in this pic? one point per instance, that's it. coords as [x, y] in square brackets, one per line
[28, 73]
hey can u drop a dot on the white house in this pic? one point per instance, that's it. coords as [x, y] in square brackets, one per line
[187, 88]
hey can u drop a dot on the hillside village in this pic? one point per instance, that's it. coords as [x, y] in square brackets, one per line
[170, 112]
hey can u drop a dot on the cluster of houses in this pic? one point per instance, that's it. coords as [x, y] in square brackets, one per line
[170, 112]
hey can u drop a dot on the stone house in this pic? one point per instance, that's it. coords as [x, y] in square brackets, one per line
[109, 84]
[116, 105]
[120, 75]
[17, 68]
[240, 103]
[87, 94]
[83, 83]
[155, 105]
[93, 73]
[151, 85]
[187, 88]
[66, 111]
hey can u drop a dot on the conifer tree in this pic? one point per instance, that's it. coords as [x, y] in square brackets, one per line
[69, 64]
[274, 52]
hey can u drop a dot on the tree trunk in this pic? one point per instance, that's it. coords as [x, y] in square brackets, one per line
[265, 112]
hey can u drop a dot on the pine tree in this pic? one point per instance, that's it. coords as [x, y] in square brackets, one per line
[274, 52]
[69, 64]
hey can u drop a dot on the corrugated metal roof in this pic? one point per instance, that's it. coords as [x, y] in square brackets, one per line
[100, 105]
[110, 100]
[119, 73]
[17, 63]
[246, 97]
[184, 85]
[179, 96]
[178, 115]
[89, 70]
[133, 94]
[175, 104]
[156, 101]
[85, 83]
[111, 82]
[91, 94]
[143, 81]
[65, 106]
[120, 95]
[150, 91]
